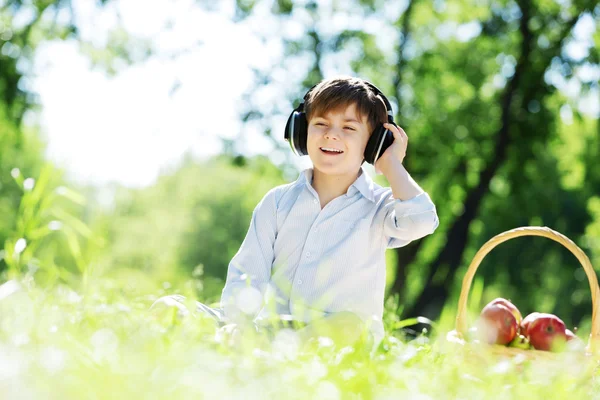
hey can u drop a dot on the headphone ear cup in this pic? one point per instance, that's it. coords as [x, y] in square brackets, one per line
[296, 132]
[379, 141]
[302, 133]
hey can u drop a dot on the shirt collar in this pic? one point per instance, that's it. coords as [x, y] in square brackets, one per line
[362, 184]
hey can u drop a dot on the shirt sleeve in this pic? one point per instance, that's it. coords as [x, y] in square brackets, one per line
[249, 271]
[408, 220]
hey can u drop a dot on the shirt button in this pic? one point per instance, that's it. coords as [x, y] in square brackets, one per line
[315, 201]
[299, 281]
[308, 254]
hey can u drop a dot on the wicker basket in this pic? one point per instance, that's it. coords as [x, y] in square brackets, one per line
[459, 334]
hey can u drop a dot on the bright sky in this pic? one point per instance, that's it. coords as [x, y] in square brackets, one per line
[128, 127]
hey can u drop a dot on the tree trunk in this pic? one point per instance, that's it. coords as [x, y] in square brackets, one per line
[432, 298]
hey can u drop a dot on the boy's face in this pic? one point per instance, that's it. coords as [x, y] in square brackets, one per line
[343, 130]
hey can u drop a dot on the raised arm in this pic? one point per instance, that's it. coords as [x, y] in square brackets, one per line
[409, 212]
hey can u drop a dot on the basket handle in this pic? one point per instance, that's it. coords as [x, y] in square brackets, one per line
[461, 317]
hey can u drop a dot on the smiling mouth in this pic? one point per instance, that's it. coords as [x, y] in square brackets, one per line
[330, 151]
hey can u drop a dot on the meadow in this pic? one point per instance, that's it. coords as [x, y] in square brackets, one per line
[103, 344]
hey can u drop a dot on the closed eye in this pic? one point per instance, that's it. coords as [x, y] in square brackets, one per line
[349, 128]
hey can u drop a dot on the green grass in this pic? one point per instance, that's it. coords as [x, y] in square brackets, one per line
[58, 344]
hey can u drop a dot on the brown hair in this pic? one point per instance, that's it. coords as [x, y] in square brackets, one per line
[333, 94]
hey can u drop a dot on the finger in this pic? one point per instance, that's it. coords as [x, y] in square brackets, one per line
[403, 133]
[390, 127]
[394, 129]
[399, 137]
[398, 132]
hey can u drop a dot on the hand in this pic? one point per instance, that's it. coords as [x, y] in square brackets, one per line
[396, 152]
[230, 335]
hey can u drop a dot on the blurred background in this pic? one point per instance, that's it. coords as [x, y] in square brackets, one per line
[136, 137]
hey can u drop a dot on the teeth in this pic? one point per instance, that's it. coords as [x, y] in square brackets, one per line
[328, 149]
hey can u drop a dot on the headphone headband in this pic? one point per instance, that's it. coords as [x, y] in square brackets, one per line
[386, 102]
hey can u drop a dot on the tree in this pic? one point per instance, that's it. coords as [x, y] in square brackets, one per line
[475, 86]
[190, 223]
[23, 26]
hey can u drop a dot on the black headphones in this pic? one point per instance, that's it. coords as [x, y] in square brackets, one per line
[296, 130]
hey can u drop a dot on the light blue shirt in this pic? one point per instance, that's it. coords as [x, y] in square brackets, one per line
[309, 262]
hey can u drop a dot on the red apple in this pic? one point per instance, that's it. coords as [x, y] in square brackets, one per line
[497, 324]
[510, 306]
[527, 320]
[546, 332]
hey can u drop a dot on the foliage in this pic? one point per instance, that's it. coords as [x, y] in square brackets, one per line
[18, 153]
[32, 248]
[42, 224]
[190, 223]
[26, 25]
[99, 343]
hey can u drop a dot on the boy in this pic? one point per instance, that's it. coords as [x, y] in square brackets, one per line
[315, 248]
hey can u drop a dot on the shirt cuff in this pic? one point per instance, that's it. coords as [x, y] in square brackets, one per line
[412, 219]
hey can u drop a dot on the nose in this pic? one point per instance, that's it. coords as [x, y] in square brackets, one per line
[332, 133]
